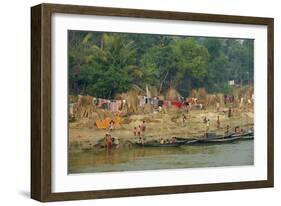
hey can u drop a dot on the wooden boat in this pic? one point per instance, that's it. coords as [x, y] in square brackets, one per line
[226, 139]
[158, 144]
[245, 136]
[217, 139]
[212, 139]
[187, 140]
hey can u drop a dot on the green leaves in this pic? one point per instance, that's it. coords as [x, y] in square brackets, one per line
[104, 64]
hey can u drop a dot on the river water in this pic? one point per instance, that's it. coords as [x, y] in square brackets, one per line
[138, 158]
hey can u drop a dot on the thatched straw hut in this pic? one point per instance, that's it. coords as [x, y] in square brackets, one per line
[202, 94]
[131, 101]
[173, 94]
[84, 107]
[194, 93]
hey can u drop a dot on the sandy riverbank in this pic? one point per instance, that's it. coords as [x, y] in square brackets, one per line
[159, 125]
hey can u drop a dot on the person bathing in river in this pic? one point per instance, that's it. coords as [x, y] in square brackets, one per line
[237, 130]
[108, 141]
[141, 140]
[116, 142]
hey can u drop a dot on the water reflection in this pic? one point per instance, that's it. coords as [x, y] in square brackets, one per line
[140, 158]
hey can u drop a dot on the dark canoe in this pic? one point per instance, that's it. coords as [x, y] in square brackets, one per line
[245, 136]
[215, 139]
[212, 137]
[187, 140]
[157, 144]
[226, 139]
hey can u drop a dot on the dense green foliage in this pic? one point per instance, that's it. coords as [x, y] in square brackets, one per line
[104, 64]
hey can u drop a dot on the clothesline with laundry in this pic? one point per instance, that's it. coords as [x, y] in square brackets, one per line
[116, 105]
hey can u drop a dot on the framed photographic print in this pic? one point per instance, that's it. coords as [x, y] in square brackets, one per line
[132, 102]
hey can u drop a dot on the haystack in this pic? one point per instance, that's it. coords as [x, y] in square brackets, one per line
[220, 98]
[245, 93]
[172, 94]
[132, 101]
[84, 107]
[72, 99]
[194, 93]
[202, 94]
[213, 99]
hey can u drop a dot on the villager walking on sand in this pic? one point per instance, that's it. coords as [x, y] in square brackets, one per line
[135, 131]
[143, 128]
[111, 125]
[205, 120]
[229, 112]
[207, 126]
[218, 106]
[218, 122]
[139, 131]
[183, 119]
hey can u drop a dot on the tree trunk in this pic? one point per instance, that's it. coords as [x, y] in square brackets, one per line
[161, 85]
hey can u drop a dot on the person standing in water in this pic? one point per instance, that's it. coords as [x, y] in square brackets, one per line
[108, 141]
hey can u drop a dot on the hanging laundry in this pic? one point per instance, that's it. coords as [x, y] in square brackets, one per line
[147, 100]
[100, 102]
[71, 106]
[160, 103]
[155, 103]
[94, 101]
[177, 104]
[119, 104]
[112, 106]
[142, 101]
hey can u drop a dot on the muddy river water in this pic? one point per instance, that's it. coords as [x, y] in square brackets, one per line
[144, 158]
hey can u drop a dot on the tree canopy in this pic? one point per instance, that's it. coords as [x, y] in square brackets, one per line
[104, 64]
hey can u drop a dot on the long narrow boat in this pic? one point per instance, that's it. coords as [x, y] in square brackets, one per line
[216, 139]
[245, 136]
[227, 139]
[158, 144]
[211, 136]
